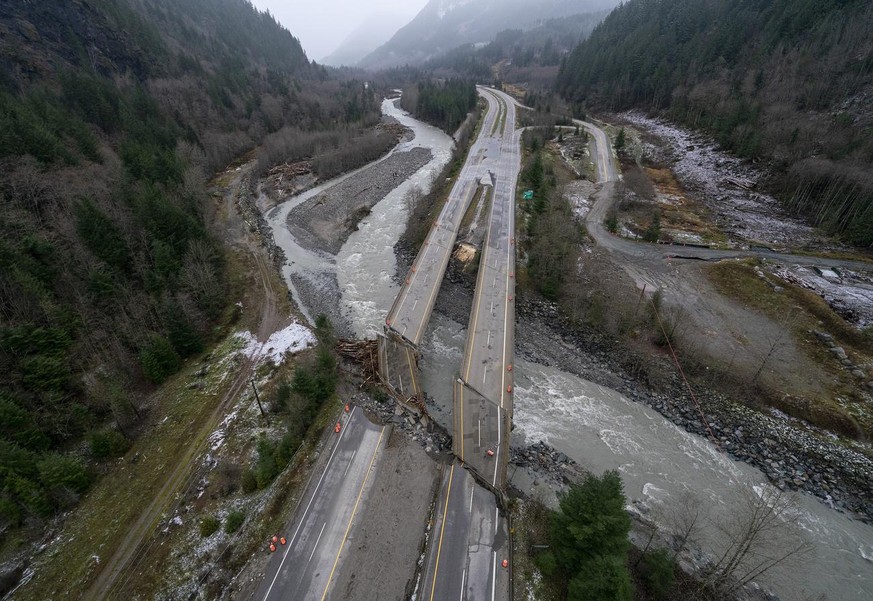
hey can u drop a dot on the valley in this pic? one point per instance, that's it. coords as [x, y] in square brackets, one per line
[544, 300]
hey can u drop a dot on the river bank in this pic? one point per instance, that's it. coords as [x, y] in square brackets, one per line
[566, 397]
[793, 455]
[325, 221]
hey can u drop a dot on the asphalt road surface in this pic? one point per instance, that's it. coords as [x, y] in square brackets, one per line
[305, 567]
[412, 308]
[605, 201]
[480, 434]
[398, 366]
[468, 545]
[486, 369]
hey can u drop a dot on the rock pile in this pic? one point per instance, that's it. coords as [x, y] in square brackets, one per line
[857, 371]
[436, 441]
[793, 455]
[545, 463]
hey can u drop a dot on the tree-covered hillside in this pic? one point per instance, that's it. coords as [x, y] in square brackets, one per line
[444, 104]
[531, 56]
[790, 81]
[112, 114]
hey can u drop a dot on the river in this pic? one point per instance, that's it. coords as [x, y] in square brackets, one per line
[597, 427]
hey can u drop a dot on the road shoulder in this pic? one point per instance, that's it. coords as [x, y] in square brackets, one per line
[384, 548]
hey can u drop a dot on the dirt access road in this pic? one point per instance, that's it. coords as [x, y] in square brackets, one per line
[704, 318]
[122, 564]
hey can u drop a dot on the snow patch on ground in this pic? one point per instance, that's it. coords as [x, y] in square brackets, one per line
[293, 339]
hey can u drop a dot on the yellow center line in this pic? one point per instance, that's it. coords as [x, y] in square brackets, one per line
[454, 229]
[461, 393]
[436, 567]
[411, 372]
[354, 511]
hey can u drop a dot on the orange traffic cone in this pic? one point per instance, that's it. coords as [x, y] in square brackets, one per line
[282, 540]
[272, 548]
[505, 563]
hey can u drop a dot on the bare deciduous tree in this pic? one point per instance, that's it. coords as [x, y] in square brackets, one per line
[759, 536]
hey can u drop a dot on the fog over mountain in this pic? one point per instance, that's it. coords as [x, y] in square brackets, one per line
[372, 33]
[446, 24]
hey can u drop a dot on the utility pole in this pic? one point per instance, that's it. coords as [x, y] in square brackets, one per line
[257, 398]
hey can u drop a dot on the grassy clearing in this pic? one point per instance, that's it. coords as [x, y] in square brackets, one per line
[653, 195]
[267, 511]
[101, 522]
[802, 311]
[175, 422]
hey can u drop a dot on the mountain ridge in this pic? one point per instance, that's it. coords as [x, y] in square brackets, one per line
[787, 81]
[443, 25]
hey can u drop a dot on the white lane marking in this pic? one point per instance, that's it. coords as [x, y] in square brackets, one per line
[493, 574]
[488, 342]
[496, 459]
[350, 463]
[472, 492]
[308, 505]
[484, 373]
[415, 304]
[480, 431]
[463, 582]
[315, 546]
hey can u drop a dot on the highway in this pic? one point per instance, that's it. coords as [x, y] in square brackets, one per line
[406, 321]
[606, 171]
[412, 308]
[470, 539]
[306, 566]
[469, 543]
[483, 395]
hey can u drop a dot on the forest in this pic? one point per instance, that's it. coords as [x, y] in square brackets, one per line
[444, 104]
[113, 115]
[515, 55]
[783, 81]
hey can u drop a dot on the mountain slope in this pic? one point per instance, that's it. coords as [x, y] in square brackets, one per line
[112, 113]
[786, 80]
[530, 57]
[372, 33]
[446, 24]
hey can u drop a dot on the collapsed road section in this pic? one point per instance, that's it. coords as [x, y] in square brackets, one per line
[482, 414]
[406, 321]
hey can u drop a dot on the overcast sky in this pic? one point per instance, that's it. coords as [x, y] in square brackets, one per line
[321, 25]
